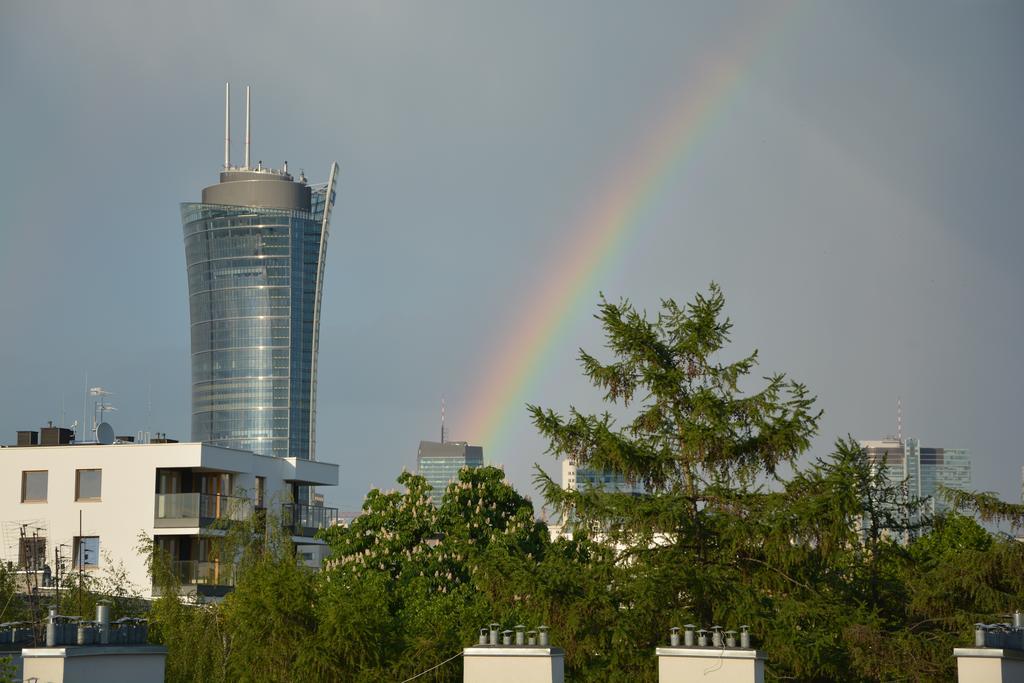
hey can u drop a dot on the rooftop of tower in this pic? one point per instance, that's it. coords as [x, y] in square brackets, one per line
[254, 185]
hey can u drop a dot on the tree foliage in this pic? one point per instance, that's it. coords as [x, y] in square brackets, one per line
[816, 562]
[839, 572]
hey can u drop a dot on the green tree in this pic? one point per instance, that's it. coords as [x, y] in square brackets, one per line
[427, 577]
[696, 437]
[12, 608]
[836, 568]
[196, 635]
[270, 616]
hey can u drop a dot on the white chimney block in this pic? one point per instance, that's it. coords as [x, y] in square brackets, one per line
[87, 663]
[710, 665]
[989, 664]
[522, 664]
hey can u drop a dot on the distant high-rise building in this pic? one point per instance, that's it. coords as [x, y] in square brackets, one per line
[255, 249]
[924, 469]
[439, 463]
[577, 478]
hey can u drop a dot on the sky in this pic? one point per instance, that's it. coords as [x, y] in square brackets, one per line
[848, 172]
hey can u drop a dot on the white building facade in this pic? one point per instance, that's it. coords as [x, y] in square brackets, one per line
[88, 504]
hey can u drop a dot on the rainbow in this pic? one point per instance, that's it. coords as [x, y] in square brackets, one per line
[600, 234]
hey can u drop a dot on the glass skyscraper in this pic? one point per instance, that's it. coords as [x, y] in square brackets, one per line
[255, 250]
[923, 469]
[439, 463]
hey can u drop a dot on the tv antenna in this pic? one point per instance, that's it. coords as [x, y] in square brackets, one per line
[100, 406]
[442, 420]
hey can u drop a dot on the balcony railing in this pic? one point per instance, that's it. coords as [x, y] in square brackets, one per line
[198, 509]
[306, 520]
[196, 573]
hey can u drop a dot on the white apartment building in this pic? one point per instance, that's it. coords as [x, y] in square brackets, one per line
[89, 502]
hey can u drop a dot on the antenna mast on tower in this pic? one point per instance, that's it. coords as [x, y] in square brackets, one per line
[248, 138]
[442, 419]
[227, 126]
[899, 419]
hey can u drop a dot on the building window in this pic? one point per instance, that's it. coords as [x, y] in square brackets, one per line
[261, 492]
[87, 551]
[88, 484]
[32, 552]
[33, 486]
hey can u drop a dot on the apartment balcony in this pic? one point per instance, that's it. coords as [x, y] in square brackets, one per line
[181, 510]
[305, 520]
[209, 579]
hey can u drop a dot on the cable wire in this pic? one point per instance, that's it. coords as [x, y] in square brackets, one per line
[434, 667]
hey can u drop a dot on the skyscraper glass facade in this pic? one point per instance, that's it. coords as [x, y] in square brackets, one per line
[923, 469]
[254, 276]
[439, 463]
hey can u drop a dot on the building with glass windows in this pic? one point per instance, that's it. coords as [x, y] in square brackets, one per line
[576, 478]
[439, 463]
[75, 505]
[923, 469]
[255, 249]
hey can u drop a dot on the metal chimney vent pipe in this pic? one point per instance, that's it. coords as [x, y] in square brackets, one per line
[520, 634]
[730, 638]
[531, 637]
[506, 637]
[494, 633]
[103, 618]
[483, 636]
[688, 634]
[673, 636]
[745, 637]
[979, 635]
[702, 638]
[544, 641]
[716, 636]
[51, 628]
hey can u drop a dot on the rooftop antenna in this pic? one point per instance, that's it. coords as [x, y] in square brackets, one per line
[100, 405]
[899, 419]
[85, 404]
[442, 419]
[227, 126]
[248, 138]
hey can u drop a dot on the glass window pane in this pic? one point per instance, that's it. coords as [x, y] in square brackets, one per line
[33, 486]
[89, 484]
[87, 551]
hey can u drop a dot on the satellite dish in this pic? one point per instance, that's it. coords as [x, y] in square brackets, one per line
[105, 433]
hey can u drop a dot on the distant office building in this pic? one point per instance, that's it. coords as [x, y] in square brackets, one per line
[924, 469]
[575, 478]
[255, 249]
[440, 463]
